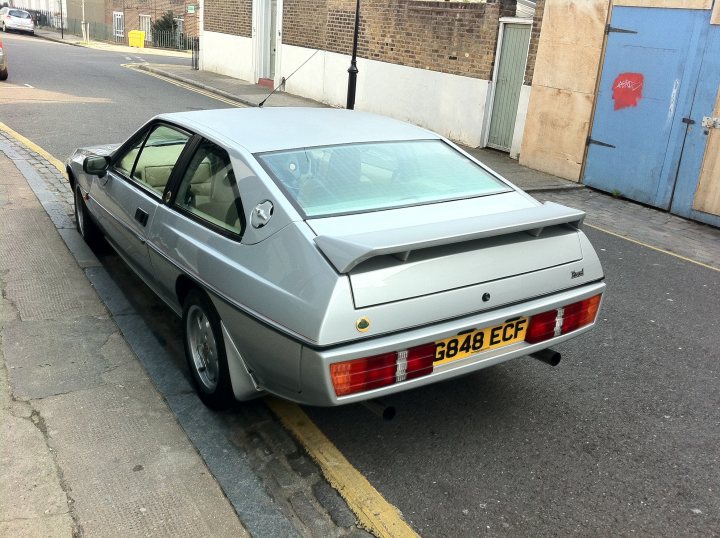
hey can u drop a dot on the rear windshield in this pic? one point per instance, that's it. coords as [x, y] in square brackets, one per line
[332, 180]
[19, 14]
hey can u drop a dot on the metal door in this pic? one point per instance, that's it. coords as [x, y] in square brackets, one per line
[508, 82]
[697, 192]
[646, 89]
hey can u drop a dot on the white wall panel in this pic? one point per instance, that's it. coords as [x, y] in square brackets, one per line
[520, 121]
[452, 105]
[227, 54]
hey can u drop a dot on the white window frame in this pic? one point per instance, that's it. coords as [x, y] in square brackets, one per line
[118, 24]
[146, 26]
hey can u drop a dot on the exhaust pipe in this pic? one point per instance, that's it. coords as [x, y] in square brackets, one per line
[547, 356]
[378, 408]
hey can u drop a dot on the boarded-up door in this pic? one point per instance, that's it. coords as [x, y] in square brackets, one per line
[660, 77]
[508, 82]
[646, 85]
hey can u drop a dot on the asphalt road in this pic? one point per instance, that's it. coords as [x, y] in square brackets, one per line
[621, 438]
[82, 96]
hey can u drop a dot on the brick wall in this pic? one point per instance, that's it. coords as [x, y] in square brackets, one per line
[232, 17]
[305, 23]
[449, 37]
[534, 40]
[156, 9]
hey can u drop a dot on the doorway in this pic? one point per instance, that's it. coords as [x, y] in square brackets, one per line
[267, 24]
[513, 43]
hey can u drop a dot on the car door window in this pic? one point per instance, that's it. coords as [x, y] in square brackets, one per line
[150, 162]
[209, 188]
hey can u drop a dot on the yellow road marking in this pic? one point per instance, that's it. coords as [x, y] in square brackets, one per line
[374, 513]
[187, 86]
[684, 258]
[32, 146]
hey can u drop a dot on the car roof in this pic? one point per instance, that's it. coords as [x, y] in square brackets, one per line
[272, 129]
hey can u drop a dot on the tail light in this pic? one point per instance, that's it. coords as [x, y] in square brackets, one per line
[562, 320]
[369, 373]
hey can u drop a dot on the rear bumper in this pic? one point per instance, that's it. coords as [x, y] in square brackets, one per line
[316, 384]
[19, 27]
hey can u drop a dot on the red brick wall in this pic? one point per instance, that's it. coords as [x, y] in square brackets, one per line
[457, 38]
[232, 17]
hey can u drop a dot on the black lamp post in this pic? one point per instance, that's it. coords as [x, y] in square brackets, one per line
[353, 70]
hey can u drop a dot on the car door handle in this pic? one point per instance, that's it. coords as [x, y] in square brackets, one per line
[141, 216]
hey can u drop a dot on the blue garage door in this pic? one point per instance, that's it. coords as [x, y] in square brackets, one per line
[649, 78]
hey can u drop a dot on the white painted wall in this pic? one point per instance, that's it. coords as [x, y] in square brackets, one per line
[520, 121]
[227, 54]
[452, 105]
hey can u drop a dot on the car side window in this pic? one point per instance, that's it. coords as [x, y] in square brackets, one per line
[209, 188]
[151, 163]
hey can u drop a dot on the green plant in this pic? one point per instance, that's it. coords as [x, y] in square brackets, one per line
[166, 23]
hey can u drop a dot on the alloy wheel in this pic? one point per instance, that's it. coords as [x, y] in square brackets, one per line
[203, 348]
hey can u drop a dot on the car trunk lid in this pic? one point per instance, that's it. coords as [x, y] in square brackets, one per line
[412, 254]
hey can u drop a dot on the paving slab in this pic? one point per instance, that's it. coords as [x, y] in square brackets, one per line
[88, 446]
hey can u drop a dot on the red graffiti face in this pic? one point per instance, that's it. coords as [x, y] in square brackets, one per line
[627, 90]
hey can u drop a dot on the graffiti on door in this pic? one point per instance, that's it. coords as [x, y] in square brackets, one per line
[627, 90]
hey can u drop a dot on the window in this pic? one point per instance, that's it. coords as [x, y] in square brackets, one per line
[146, 26]
[150, 161]
[118, 24]
[363, 177]
[209, 188]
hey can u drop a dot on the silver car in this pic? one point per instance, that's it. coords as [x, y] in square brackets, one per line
[16, 19]
[333, 256]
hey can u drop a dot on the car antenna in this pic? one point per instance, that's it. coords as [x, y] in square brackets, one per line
[285, 79]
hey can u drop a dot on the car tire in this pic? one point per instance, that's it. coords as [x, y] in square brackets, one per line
[84, 224]
[205, 351]
[4, 74]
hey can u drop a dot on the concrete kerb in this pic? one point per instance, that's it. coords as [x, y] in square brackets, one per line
[196, 84]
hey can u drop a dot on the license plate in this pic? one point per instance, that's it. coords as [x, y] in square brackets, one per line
[467, 344]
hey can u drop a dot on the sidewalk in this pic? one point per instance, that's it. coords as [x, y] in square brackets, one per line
[71, 39]
[87, 444]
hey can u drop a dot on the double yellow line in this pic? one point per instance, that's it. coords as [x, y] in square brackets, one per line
[32, 146]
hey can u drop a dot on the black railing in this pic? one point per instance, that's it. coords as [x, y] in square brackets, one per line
[170, 39]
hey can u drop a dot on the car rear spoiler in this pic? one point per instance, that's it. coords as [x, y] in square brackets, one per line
[347, 251]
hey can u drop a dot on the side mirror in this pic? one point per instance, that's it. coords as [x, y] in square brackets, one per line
[96, 165]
